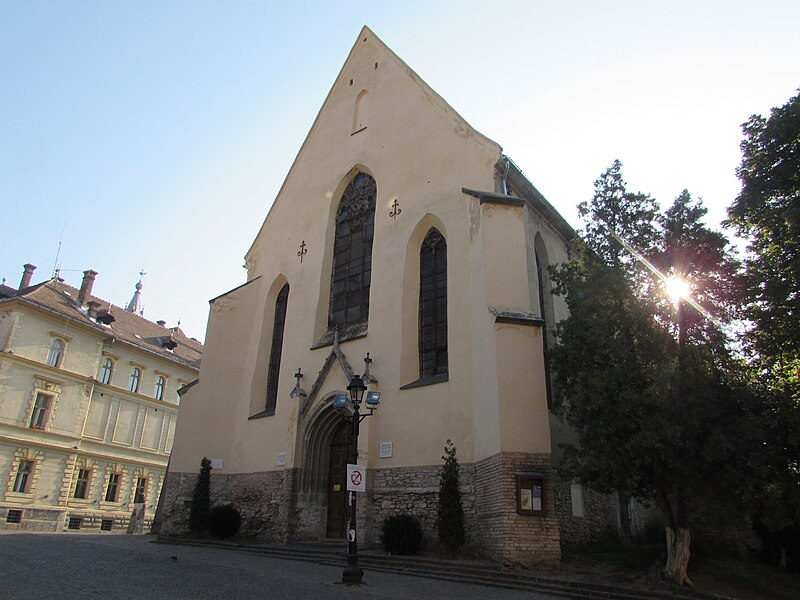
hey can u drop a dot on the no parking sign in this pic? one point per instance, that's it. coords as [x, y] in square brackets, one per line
[356, 478]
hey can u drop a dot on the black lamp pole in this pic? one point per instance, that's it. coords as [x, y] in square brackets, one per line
[352, 573]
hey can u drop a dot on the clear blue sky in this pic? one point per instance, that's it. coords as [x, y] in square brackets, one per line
[156, 134]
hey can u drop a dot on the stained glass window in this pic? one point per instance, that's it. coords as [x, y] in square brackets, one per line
[433, 305]
[352, 253]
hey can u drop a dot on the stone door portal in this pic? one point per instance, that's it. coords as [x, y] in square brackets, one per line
[337, 485]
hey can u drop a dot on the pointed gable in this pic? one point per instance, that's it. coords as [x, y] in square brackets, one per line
[376, 104]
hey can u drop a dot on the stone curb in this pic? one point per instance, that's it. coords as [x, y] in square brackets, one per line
[475, 573]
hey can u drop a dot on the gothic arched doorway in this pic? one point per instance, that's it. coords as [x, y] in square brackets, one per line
[341, 447]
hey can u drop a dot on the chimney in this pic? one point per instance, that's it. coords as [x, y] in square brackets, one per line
[26, 275]
[93, 308]
[86, 286]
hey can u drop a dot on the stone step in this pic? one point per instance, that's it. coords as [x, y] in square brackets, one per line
[473, 572]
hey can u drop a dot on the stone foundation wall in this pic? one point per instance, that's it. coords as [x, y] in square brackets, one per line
[600, 515]
[504, 535]
[266, 502]
[273, 510]
[415, 491]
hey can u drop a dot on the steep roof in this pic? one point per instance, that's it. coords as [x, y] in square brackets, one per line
[60, 299]
[6, 291]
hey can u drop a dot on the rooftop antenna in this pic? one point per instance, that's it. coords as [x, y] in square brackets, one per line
[56, 268]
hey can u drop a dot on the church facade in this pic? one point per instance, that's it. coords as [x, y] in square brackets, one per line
[406, 246]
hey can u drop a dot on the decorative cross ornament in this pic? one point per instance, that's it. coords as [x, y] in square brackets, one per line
[396, 210]
[298, 392]
[303, 250]
[368, 378]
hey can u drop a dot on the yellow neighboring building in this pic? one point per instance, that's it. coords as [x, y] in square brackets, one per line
[404, 243]
[89, 397]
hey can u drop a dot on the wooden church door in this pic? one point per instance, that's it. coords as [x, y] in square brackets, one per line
[341, 446]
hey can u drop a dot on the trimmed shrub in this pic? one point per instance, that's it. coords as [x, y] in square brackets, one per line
[402, 534]
[224, 521]
[201, 499]
[450, 513]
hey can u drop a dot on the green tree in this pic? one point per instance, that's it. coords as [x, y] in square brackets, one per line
[657, 414]
[767, 214]
[201, 500]
[702, 257]
[450, 513]
[613, 209]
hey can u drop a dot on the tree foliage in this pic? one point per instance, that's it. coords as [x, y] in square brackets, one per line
[633, 216]
[689, 249]
[201, 499]
[657, 406]
[767, 214]
[450, 513]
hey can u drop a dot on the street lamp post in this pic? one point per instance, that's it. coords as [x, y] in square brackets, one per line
[352, 573]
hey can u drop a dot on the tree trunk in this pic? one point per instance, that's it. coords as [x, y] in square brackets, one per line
[678, 552]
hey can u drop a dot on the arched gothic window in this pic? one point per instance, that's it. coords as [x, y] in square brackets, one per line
[433, 305]
[546, 310]
[274, 370]
[55, 353]
[352, 253]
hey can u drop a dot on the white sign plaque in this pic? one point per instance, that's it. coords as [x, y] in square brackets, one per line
[216, 463]
[386, 450]
[356, 478]
[281, 458]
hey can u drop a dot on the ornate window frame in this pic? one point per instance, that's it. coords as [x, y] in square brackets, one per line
[44, 388]
[351, 269]
[33, 459]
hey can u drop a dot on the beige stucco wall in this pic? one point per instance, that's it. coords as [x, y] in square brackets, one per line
[421, 154]
[98, 426]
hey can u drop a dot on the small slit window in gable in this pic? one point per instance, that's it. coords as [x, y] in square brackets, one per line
[361, 112]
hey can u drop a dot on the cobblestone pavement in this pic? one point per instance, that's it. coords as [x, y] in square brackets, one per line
[118, 567]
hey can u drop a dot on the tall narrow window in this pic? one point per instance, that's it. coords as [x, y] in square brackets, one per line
[41, 410]
[22, 482]
[140, 494]
[112, 490]
[82, 484]
[546, 308]
[352, 253]
[158, 393]
[136, 376]
[274, 370]
[55, 353]
[433, 305]
[106, 370]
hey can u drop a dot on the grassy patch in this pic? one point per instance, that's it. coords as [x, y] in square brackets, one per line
[631, 564]
[750, 580]
[611, 561]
